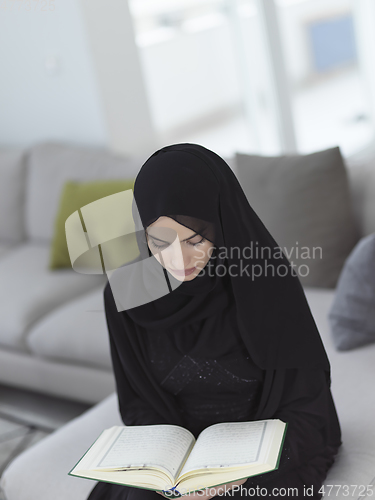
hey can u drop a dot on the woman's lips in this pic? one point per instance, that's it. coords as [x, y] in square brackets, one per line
[186, 272]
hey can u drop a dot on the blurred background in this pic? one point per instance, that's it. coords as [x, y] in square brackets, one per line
[88, 90]
[260, 76]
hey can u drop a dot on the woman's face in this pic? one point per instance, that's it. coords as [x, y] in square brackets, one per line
[180, 250]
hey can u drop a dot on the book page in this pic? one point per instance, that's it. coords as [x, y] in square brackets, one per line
[227, 445]
[164, 446]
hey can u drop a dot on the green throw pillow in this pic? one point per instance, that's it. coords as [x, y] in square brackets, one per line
[74, 196]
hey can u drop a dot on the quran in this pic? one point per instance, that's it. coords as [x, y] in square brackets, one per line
[168, 458]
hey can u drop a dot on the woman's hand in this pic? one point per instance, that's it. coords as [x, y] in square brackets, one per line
[211, 492]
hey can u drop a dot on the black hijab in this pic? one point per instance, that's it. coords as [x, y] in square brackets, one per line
[197, 188]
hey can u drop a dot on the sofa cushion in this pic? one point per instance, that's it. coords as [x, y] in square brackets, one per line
[51, 165]
[75, 332]
[352, 316]
[28, 290]
[74, 196]
[12, 194]
[305, 203]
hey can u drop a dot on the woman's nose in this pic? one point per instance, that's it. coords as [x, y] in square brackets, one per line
[178, 263]
[174, 255]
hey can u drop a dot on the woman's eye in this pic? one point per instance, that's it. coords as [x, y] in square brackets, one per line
[198, 242]
[189, 242]
[158, 246]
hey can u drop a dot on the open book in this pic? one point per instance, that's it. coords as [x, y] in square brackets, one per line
[168, 458]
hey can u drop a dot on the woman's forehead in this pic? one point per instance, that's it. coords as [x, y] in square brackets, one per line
[161, 219]
[185, 225]
[168, 222]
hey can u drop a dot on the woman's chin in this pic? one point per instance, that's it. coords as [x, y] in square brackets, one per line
[188, 277]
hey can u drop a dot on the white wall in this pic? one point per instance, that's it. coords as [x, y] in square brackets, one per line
[365, 29]
[119, 76]
[190, 76]
[35, 105]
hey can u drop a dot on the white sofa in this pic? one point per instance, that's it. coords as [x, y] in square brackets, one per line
[60, 358]
[52, 328]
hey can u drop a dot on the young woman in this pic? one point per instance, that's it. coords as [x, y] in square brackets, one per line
[232, 338]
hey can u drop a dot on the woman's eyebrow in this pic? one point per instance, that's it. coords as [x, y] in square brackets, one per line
[186, 239]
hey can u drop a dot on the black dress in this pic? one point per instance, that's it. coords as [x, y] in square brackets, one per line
[222, 387]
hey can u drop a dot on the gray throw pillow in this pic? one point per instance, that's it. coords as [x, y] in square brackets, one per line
[305, 203]
[352, 315]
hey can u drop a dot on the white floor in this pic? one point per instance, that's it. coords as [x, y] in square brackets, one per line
[27, 417]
